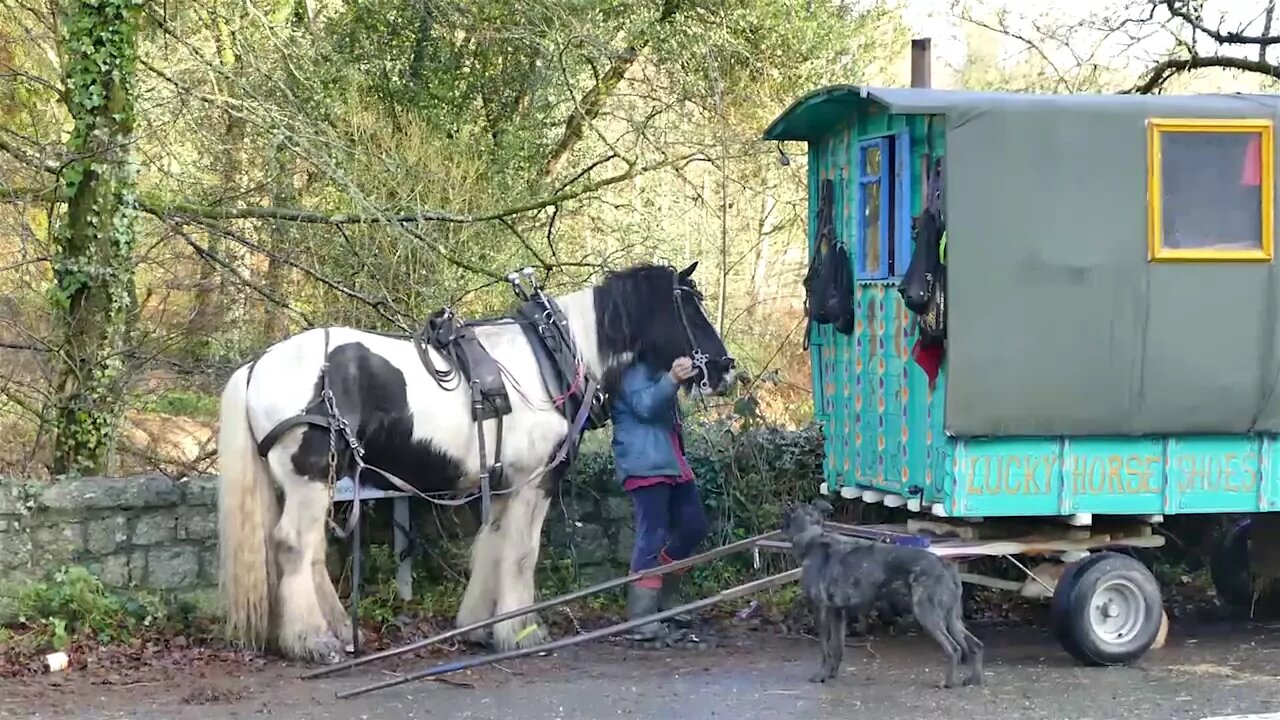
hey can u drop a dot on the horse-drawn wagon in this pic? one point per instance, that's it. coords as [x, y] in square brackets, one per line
[1088, 335]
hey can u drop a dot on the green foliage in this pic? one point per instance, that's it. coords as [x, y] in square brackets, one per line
[72, 604]
[183, 403]
[92, 294]
[747, 476]
[650, 111]
[380, 603]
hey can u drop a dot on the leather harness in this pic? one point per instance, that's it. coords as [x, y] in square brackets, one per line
[580, 398]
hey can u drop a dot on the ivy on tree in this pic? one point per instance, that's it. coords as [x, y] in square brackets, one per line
[93, 290]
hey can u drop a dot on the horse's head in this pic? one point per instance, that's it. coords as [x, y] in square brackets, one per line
[654, 314]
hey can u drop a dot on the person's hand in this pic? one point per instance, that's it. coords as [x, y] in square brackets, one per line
[682, 369]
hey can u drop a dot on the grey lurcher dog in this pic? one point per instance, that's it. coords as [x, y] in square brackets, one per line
[844, 577]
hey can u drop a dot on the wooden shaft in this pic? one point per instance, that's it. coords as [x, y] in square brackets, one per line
[451, 667]
[543, 605]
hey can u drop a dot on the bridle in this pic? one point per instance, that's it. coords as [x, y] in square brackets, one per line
[699, 357]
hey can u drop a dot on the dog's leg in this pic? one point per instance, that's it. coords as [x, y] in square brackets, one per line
[836, 621]
[933, 623]
[970, 646]
[826, 639]
[830, 637]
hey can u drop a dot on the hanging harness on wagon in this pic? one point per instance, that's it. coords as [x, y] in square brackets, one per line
[574, 392]
[924, 285]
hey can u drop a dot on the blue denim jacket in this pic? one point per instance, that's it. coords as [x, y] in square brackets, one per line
[645, 415]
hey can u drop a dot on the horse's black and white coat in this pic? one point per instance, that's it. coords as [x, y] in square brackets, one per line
[275, 585]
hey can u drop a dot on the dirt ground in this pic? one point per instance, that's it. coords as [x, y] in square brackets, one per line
[1206, 670]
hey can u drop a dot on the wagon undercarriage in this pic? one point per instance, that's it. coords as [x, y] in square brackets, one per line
[1106, 605]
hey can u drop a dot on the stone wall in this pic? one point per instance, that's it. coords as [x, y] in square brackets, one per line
[594, 528]
[145, 531]
[155, 533]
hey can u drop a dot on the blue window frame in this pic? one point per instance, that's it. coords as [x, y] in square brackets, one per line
[884, 197]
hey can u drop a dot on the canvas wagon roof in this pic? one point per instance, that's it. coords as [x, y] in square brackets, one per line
[822, 110]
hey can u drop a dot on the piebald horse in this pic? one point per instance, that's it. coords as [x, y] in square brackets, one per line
[274, 501]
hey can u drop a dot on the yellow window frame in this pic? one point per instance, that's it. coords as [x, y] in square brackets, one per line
[1156, 252]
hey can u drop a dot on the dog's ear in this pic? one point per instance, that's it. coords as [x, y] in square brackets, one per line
[823, 507]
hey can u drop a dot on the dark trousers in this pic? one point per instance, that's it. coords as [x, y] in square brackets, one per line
[670, 522]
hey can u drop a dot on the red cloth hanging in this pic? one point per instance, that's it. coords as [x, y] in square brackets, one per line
[1251, 175]
[929, 358]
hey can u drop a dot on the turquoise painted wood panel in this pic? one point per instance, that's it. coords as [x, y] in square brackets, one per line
[896, 446]
[881, 422]
[1114, 476]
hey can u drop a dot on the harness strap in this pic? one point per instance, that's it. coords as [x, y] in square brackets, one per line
[270, 439]
[569, 446]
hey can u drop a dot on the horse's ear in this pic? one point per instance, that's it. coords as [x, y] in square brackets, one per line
[823, 507]
[686, 273]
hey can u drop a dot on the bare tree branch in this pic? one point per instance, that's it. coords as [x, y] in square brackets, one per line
[1182, 10]
[586, 111]
[1163, 71]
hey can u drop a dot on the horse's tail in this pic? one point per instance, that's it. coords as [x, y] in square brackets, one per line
[247, 512]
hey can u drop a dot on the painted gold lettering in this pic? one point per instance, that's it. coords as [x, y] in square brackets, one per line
[1051, 469]
[1250, 481]
[1015, 480]
[1097, 475]
[1031, 474]
[1215, 474]
[991, 483]
[1231, 463]
[1079, 475]
[1115, 465]
[1135, 475]
[1186, 473]
[973, 487]
[1153, 474]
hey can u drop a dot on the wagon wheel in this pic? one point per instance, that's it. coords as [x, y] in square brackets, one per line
[1239, 577]
[1229, 567]
[1107, 609]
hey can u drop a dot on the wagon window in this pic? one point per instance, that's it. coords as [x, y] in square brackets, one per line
[1210, 190]
[875, 228]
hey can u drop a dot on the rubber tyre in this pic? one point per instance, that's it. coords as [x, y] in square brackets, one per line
[1072, 608]
[1229, 568]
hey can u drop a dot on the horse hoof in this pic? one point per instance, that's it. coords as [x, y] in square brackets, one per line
[519, 638]
[327, 650]
[345, 636]
[478, 638]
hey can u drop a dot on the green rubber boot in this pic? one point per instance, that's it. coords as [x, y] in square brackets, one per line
[642, 601]
[671, 598]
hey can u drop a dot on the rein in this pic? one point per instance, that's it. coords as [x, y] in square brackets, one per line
[696, 353]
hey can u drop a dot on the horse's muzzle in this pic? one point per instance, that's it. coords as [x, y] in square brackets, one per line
[727, 375]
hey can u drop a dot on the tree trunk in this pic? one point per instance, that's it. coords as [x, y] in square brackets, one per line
[93, 295]
[210, 293]
[760, 275]
[283, 194]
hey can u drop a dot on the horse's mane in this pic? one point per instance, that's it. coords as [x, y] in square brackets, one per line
[636, 312]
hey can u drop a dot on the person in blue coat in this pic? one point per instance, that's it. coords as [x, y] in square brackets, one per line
[648, 449]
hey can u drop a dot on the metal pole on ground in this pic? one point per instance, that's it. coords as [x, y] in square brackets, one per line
[562, 599]
[451, 667]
